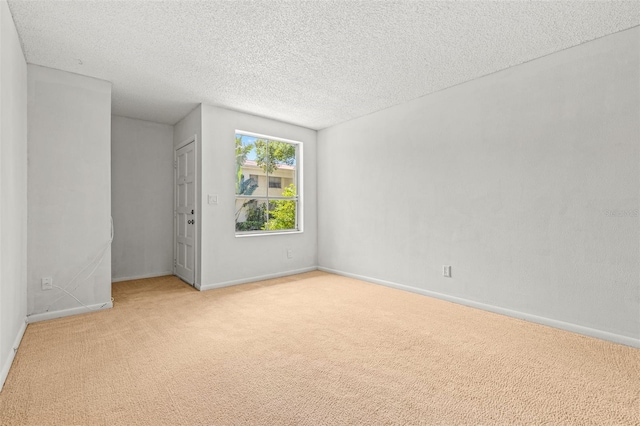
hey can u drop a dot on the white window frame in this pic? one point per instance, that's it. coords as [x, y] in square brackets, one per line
[299, 189]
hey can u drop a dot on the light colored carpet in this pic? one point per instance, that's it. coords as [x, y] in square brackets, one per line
[311, 349]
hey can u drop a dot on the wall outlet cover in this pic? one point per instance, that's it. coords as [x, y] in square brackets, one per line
[446, 271]
[47, 283]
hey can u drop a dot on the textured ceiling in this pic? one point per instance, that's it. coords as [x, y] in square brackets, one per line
[312, 63]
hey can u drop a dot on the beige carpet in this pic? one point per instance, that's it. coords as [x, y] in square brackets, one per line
[311, 349]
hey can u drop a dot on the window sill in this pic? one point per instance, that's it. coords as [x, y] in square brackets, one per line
[264, 234]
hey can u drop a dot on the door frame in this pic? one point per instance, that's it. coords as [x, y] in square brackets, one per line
[193, 139]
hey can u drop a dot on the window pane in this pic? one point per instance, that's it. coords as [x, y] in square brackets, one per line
[282, 215]
[246, 165]
[251, 215]
[283, 161]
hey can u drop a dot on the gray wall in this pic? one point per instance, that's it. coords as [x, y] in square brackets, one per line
[69, 190]
[525, 181]
[226, 259]
[141, 198]
[13, 191]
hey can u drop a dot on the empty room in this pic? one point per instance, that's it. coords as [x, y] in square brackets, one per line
[325, 212]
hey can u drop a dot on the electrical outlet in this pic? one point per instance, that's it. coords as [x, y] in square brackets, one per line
[289, 254]
[446, 271]
[213, 199]
[47, 283]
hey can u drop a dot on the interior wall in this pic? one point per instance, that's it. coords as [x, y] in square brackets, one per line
[524, 181]
[13, 191]
[226, 259]
[141, 198]
[69, 191]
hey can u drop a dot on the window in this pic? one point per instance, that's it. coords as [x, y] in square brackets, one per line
[275, 182]
[268, 172]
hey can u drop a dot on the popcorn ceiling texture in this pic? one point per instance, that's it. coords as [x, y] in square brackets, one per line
[314, 64]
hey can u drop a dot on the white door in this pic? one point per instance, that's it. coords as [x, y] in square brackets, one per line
[184, 214]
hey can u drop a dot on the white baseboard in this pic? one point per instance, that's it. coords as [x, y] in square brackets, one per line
[12, 354]
[253, 279]
[141, 277]
[586, 331]
[68, 312]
